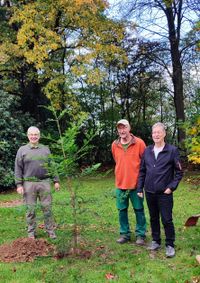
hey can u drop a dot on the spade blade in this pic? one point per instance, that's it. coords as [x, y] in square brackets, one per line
[192, 220]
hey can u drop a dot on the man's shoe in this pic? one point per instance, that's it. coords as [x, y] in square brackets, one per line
[140, 241]
[154, 246]
[122, 240]
[170, 251]
[52, 235]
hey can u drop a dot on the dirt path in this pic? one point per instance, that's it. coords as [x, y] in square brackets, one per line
[11, 203]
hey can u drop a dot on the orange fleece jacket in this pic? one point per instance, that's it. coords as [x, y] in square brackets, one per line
[127, 162]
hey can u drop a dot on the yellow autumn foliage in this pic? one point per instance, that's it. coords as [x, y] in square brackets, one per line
[49, 26]
[7, 49]
[3, 56]
[193, 141]
[95, 77]
[63, 38]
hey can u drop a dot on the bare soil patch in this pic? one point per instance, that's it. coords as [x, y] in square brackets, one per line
[74, 252]
[11, 203]
[25, 250]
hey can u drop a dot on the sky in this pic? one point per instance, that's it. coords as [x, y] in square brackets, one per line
[160, 25]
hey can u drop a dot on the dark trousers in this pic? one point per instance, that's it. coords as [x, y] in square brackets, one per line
[161, 205]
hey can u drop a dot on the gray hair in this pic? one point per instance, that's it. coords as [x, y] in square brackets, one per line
[33, 129]
[159, 124]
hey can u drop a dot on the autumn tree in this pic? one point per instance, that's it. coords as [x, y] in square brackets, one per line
[54, 47]
[166, 21]
[17, 76]
[62, 39]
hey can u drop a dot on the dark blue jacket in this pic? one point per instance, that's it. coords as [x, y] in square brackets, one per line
[156, 175]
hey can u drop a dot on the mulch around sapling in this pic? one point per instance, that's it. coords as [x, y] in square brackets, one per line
[74, 253]
[25, 250]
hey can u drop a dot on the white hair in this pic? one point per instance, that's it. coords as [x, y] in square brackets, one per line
[33, 129]
[159, 124]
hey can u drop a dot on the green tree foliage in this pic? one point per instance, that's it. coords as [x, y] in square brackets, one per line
[167, 21]
[13, 126]
[64, 163]
[132, 88]
[71, 53]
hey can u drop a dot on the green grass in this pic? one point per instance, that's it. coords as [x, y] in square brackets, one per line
[98, 224]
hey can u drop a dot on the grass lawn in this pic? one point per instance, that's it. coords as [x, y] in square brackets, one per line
[98, 225]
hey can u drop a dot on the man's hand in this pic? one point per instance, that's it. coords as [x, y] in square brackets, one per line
[168, 191]
[20, 190]
[57, 186]
[141, 195]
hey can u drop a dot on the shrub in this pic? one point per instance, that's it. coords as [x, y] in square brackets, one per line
[13, 124]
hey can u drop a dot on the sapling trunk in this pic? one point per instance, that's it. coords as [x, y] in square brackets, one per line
[73, 204]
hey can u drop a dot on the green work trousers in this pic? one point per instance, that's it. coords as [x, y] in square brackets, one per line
[123, 197]
[42, 191]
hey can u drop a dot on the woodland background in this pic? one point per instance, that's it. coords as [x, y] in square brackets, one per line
[97, 63]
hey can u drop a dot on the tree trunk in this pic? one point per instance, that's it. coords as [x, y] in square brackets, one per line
[177, 73]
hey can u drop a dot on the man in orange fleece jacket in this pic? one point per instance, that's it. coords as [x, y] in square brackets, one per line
[127, 152]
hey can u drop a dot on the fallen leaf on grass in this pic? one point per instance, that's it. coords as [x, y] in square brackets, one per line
[100, 248]
[132, 274]
[193, 280]
[172, 266]
[41, 226]
[104, 256]
[196, 279]
[152, 255]
[136, 252]
[198, 258]
[110, 276]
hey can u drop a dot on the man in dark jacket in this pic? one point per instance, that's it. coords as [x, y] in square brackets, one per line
[160, 174]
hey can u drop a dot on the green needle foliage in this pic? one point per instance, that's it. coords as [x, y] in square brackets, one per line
[64, 163]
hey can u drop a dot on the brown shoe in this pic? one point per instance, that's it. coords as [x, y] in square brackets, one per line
[140, 241]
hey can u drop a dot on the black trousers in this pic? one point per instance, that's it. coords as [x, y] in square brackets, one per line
[161, 205]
